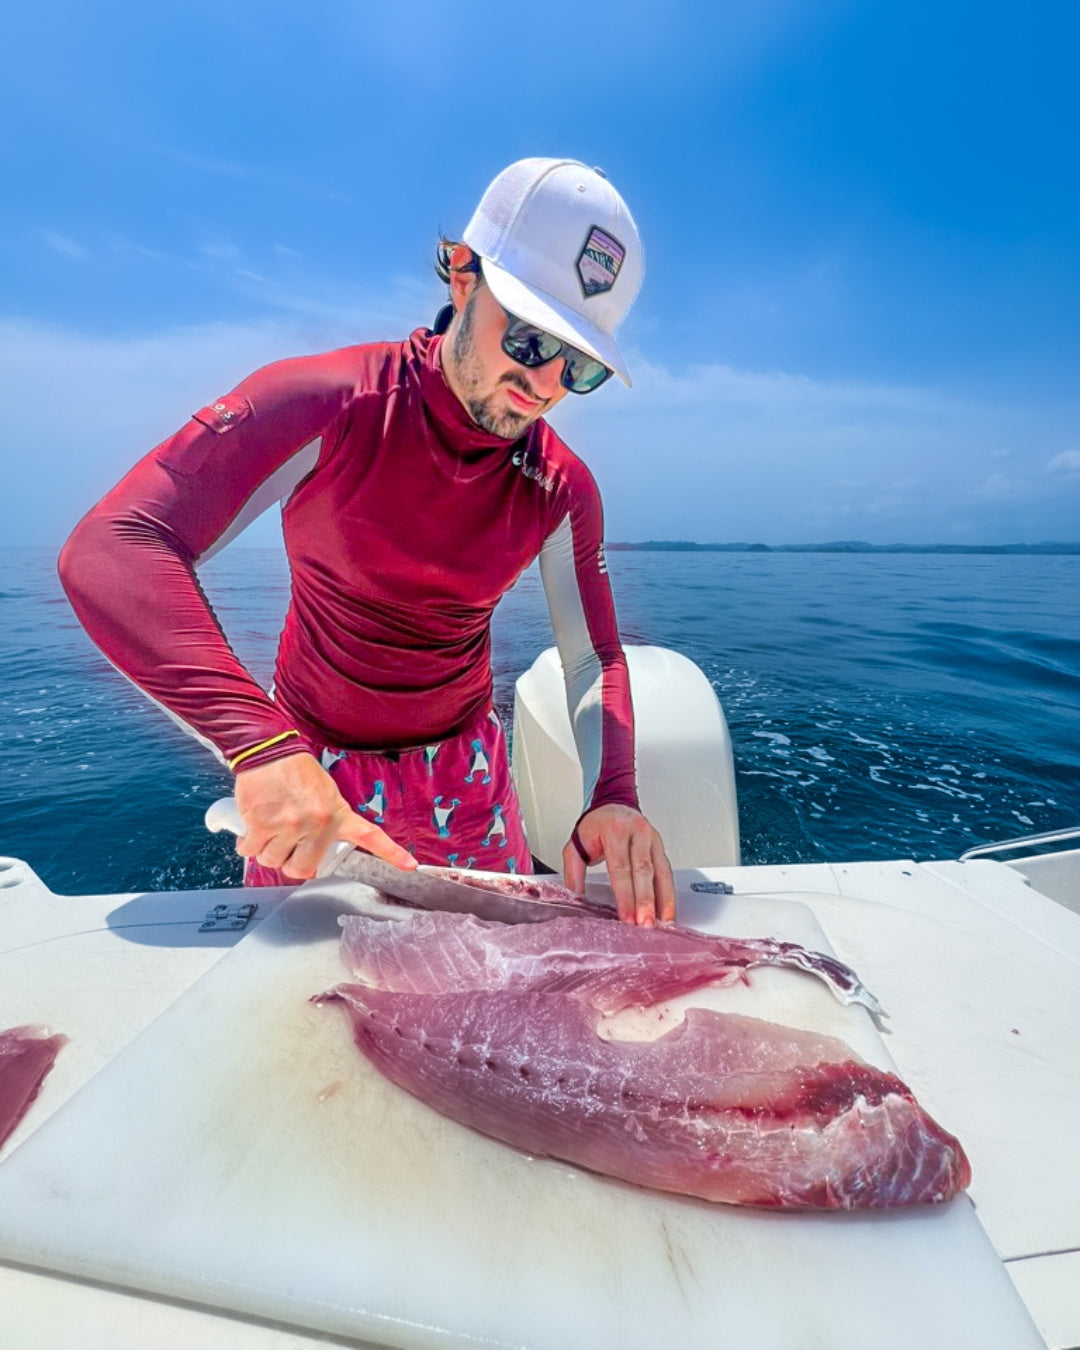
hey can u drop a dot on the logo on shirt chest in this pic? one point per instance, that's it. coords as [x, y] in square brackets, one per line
[532, 471]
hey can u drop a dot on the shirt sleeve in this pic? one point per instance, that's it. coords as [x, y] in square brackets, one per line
[574, 573]
[129, 566]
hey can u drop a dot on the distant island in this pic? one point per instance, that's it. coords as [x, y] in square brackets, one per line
[839, 546]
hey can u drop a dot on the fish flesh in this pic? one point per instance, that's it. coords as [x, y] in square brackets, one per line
[723, 1107]
[493, 1032]
[554, 901]
[27, 1053]
[558, 899]
[527, 888]
[440, 950]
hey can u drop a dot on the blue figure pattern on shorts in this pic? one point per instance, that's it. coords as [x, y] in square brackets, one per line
[452, 861]
[511, 863]
[442, 815]
[329, 757]
[479, 763]
[497, 828]
[376, 803]
[430, 751]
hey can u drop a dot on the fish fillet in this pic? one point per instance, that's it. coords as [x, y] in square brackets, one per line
[26, 1056]
[494, 1029]
[617, 965]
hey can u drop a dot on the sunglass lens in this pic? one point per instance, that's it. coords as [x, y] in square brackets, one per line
[530, 346]
[583, 374]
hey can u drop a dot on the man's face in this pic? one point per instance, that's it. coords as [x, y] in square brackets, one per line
[500, 395]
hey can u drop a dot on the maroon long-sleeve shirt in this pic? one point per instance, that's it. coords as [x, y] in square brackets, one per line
[404, 523]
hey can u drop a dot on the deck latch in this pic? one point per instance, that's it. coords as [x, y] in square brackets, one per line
[713, 887]
[227, 916]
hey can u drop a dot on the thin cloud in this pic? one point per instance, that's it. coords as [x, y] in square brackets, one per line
[781, 457]
[123, 395]
[1000, 487]
[1067, 464]
[125, 247]
[61, 243]
[248, 173]
[705, 384]
[220, 252]
[715, 454]
[401, 304]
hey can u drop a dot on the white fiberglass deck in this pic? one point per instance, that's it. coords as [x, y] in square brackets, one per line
[979, 973]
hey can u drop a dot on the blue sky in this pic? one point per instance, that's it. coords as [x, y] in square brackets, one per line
[861, 310]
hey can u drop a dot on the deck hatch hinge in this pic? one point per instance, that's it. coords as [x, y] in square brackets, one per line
[227, 916]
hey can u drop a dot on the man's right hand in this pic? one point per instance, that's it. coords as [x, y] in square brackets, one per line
[293, 812]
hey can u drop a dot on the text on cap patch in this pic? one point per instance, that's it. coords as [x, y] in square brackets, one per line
[599, 261]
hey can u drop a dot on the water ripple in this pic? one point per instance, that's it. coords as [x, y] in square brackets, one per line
[879, 707]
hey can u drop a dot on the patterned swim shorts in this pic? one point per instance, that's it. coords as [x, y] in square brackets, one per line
[451, 803]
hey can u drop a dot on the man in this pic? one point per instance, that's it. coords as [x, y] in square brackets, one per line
[418, 481]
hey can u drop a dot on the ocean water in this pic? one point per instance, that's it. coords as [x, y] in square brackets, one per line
[880, 706]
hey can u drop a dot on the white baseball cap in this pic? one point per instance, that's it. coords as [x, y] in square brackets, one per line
[559, 248]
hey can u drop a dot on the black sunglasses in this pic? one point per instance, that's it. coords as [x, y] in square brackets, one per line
[532, 347]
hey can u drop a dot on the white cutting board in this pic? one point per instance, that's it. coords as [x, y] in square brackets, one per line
[241, 1154]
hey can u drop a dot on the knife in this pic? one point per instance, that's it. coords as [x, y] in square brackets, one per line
[427, 887]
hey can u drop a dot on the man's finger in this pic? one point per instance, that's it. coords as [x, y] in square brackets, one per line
[252, 842]
[303, 862]
[663, 882]
[274, 854]
[371, 839]
[573, 865]
[641, 872]
[616, 853]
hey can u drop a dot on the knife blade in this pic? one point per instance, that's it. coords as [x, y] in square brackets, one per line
[427, 887]
[434, 888]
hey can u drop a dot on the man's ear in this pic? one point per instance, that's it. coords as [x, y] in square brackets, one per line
[464, 275]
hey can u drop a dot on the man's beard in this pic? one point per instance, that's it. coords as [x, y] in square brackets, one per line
[505, 423]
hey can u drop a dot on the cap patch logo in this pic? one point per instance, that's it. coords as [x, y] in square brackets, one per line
[599, 262]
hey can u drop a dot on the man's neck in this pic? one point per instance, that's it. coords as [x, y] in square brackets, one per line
[444, 358]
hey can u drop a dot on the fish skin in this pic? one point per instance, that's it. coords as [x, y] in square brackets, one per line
[722, 1107]
[616, 965]
[27, 1054]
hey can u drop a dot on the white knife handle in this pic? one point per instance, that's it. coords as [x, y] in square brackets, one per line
[224, 814]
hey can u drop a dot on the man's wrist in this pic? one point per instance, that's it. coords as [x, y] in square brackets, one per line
[608, 801]
[266, 752]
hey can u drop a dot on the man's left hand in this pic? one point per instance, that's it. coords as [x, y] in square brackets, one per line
[637, 865]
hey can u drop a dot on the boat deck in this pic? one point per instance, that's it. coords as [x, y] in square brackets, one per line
[979, 973]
